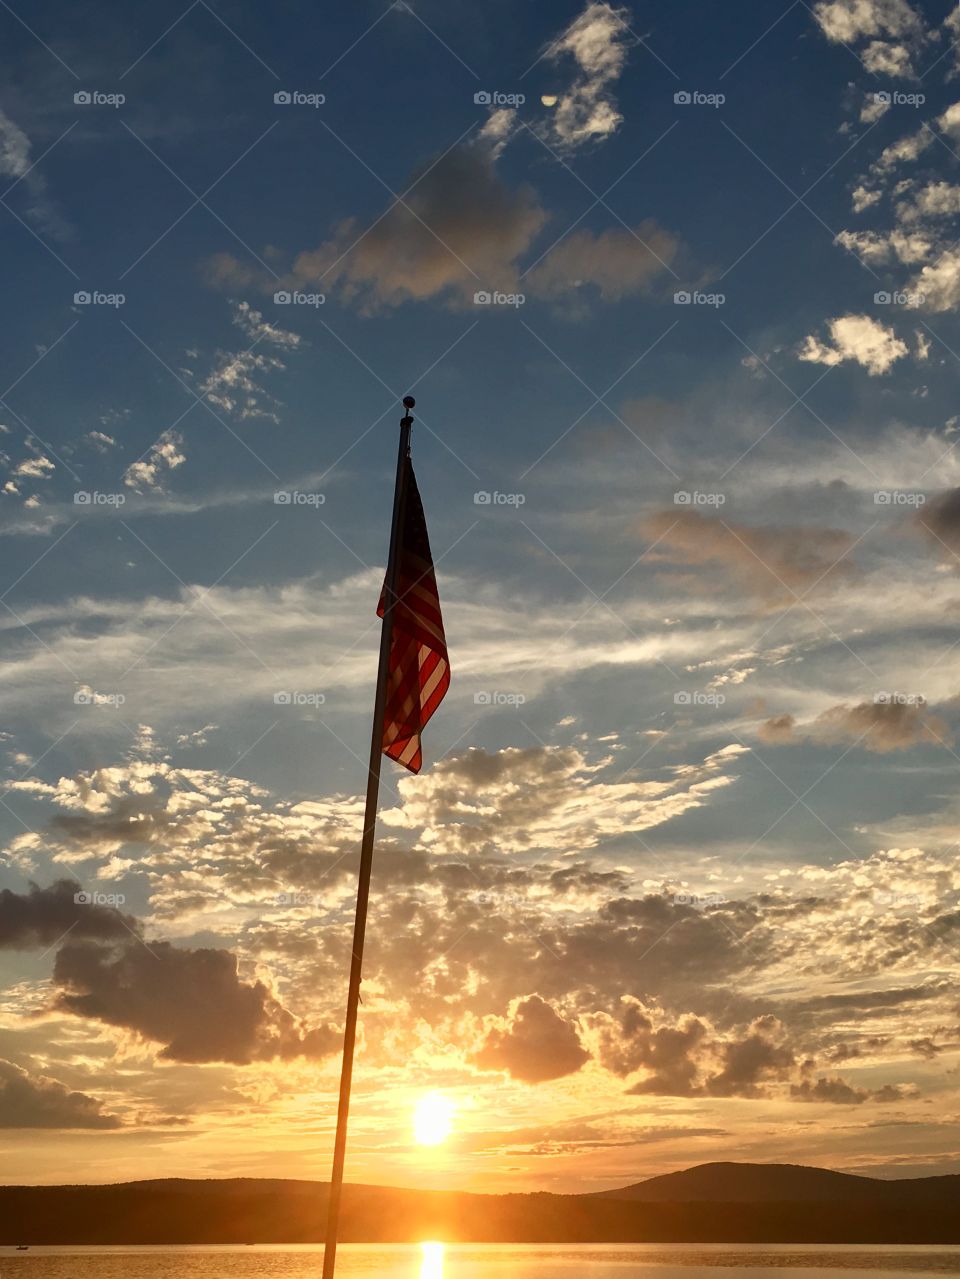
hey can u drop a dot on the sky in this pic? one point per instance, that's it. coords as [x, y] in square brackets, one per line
[676, 289]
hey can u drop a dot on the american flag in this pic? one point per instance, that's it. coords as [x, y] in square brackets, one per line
[419, 672]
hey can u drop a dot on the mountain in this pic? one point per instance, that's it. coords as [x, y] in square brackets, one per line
[728, 1203]
[785, 1183]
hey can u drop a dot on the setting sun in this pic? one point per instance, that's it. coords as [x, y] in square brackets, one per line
[433, 1119]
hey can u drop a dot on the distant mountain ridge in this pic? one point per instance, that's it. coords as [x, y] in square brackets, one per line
[784, 1183]
[716, 1202]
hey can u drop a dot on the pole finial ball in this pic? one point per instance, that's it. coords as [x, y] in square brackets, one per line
[409, 402]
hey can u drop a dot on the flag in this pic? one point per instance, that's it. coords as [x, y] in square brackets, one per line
[419, 672]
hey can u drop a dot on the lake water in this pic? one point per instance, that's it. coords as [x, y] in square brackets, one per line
[483, 1261]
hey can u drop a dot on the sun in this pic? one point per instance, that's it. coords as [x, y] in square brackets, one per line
[433, 1119]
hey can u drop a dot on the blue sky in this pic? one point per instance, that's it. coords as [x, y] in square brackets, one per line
[690, 794]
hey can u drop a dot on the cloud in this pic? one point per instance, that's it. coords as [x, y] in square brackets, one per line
[875, 726]
[597, 41]
[764, 560]
[41, 1102]
[191, 1001]
[164, 455]
[859, 338]
[15, 163]
[533, 1044]
[838, 1092]
[939, 282]
[543, 797]
[37, 468]
[849, 21]
[14, 148]
[460, 229]
[233, 384]
[42, 916]
[666, 1052]
[252, 323]
[940, 518]
[690, 1057]
[618, 262]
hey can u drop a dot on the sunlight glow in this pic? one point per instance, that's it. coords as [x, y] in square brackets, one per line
[433, 1119]
[432, 1265]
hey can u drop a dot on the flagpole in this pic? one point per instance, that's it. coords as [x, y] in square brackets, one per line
[366, 845]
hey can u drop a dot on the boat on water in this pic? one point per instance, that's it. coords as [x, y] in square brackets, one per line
[22, 1247]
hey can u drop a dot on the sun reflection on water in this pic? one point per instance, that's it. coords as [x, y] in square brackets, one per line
[431, 1267]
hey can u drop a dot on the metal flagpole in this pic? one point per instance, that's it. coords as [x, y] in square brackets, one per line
[366, 846]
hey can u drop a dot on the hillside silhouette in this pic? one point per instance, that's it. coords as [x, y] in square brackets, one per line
[719, 1202]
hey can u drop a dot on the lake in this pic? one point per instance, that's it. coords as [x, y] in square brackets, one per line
[480, 1261]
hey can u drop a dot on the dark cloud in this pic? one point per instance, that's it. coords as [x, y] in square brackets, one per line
[191, 1001]
[40, 1102]
[876, 726]
[462, 229]
[459, 230]
[534, 1045]
[838, 1092]
[669, 1053]
[761, 1055]
[617, 262]
[42, 916]
[940, 519]
[777, 562]
[689, 1057]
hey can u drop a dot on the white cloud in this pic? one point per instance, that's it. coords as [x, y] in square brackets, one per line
[873, 108]
[548, 797]
[887, 59]
[587, 111]
[260, 330]
[859, 338]
[100, 441]
[14, 148]
[38, 468]
[164, 455]
[949, 122]
[848, 20]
